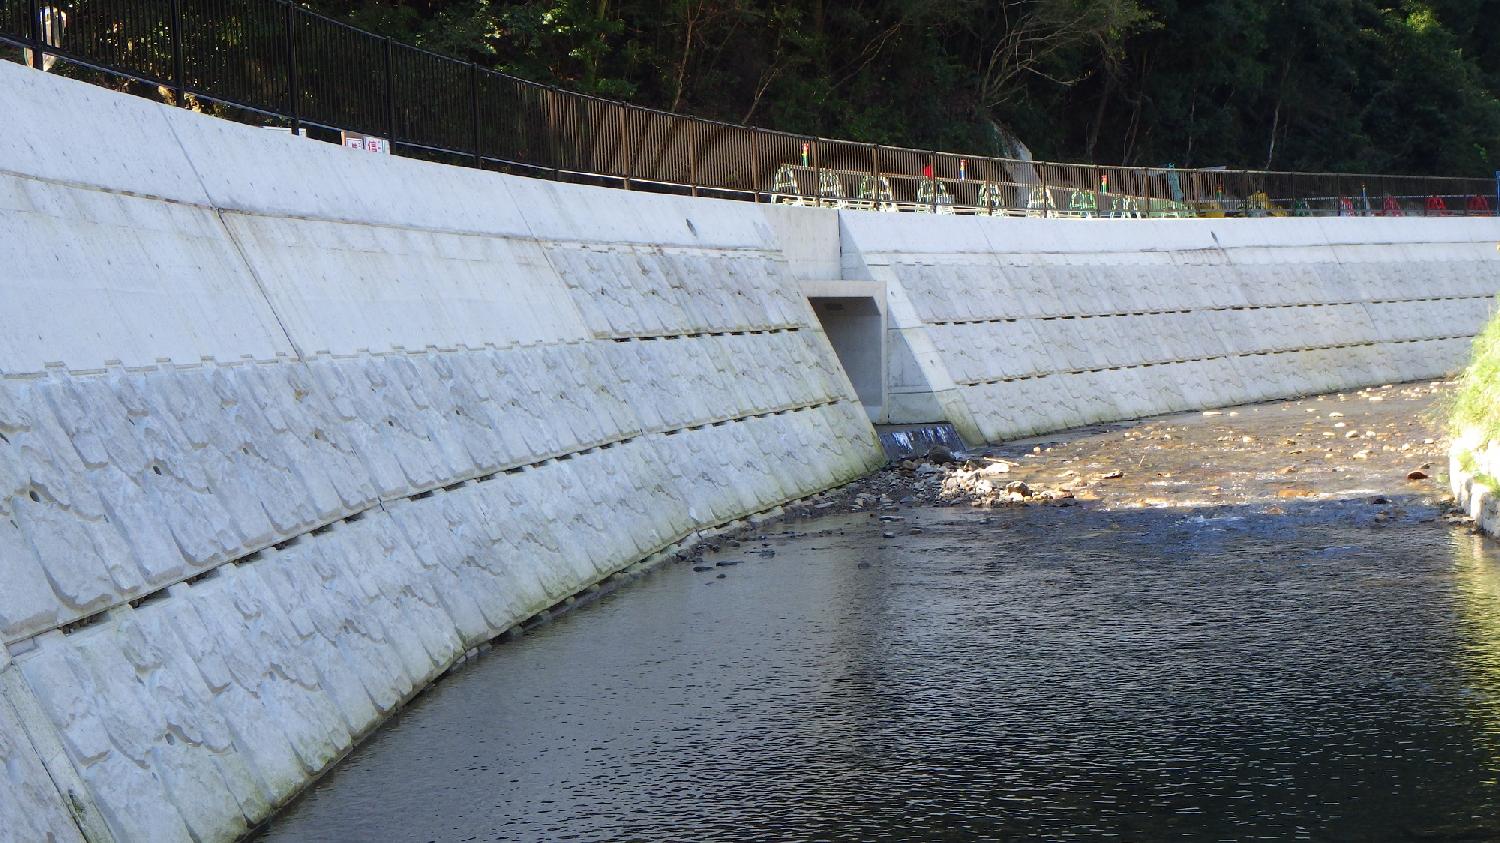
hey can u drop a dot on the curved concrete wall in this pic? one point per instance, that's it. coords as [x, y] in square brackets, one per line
[1014, 327]
[285, 430]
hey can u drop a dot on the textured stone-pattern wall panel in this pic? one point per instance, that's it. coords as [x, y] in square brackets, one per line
[285, 431]
[642, 291]
[119, 484]
[194, 713]
[1042, 326]
[31, 808]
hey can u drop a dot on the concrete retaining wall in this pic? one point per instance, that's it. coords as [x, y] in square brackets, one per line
[1014, 327]
[285, 430]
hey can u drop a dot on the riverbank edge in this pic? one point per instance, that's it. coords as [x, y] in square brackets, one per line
[684, 549]
[1473, 465]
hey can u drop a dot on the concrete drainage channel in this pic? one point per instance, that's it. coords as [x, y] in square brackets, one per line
[231, 337]
[905, 441]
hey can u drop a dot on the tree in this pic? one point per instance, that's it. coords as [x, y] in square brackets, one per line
[1307, 84]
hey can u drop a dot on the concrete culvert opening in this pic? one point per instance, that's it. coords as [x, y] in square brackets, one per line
[855, 326]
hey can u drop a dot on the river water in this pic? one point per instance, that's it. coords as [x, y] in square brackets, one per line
[1321, 668]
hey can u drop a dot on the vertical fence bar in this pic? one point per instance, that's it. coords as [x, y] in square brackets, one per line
[36, 33]
[875, 176]
[1497, 193]
[627, 164]
[390, 95]
[1046, 190]
[692, 156]
[474, 112]
[931, 175]
[817, 176]
[292, 94]
[755, 164]
[553, 121]
[177, 80]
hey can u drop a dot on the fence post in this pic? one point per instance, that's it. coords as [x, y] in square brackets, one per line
[1046, 191]
[817, 176]
[474, 110]
[36, 34]
[292, 97]
[554, 121]
[177, 81]
[628, 163]
[755, 164]
[693, 156]
[875, 174]
[933, 183]
[390, 95]
[1497, 193]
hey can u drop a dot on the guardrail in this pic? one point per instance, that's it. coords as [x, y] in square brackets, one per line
[273, 63]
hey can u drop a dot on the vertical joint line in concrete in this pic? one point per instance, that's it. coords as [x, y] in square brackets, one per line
[239, 249]
[260, 284]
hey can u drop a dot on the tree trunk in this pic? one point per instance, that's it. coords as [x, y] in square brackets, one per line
[1093, 141]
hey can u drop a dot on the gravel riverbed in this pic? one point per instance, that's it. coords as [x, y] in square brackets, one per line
[1383, 443]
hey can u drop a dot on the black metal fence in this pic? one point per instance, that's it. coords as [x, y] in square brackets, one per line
[271, 62]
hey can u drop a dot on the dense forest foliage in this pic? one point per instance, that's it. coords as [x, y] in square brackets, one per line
[1370, 85]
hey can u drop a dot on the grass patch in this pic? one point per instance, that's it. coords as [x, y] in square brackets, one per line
[1476, 402]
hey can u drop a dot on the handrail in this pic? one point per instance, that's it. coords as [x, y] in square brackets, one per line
[273, 62]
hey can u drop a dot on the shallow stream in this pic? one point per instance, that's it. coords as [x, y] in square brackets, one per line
[1035, 672]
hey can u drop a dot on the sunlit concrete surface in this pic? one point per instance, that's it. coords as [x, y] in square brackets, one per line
[1008, 328]
[286, 431]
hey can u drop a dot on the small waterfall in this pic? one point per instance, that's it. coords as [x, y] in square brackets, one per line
[913, 440]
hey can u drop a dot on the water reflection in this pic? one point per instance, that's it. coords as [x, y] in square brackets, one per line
[1478, 583]
[1041, 673]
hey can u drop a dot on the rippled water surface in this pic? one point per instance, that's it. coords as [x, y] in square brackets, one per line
[1050, 673]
